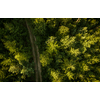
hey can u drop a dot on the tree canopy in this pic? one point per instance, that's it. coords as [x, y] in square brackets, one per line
[66, 49]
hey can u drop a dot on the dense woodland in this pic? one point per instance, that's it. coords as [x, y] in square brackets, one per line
[49, 50]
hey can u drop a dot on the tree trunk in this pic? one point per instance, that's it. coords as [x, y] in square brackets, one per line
[35, 52]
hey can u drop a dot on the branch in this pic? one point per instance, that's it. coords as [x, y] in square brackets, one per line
[77, 20]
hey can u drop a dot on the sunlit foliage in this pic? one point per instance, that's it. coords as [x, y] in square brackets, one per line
[69, 51]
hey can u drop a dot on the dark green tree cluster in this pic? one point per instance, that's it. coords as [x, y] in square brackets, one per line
[69, 49]
[15, 52]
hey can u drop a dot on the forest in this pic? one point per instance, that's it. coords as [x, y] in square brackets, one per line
[49, 49]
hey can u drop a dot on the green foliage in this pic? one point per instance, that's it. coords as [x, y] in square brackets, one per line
[18, 47]
[52, 46]
[2, 75]
[69, 51]
[56, 76]
[10, 45]
[78, 55]
[45, 59]
[63, 30]
[67, 41]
